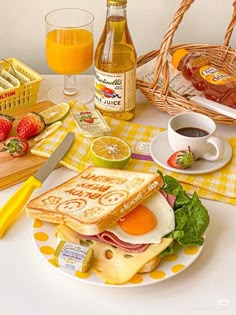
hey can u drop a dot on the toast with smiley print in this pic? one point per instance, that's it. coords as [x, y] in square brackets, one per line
[95, 199]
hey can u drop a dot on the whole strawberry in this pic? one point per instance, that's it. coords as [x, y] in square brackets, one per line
[30, 125]
[15, 146]
[6, 123]
[181, 159]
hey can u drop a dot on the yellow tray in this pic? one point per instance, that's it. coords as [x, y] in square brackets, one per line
[24, 95]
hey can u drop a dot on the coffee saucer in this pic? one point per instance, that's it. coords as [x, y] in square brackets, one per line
[160, 151]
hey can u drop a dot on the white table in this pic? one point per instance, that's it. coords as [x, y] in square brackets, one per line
[30, 286]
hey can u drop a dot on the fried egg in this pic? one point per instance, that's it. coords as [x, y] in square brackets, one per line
[147, 223]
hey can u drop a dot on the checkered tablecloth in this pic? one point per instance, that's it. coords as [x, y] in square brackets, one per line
[219, 185]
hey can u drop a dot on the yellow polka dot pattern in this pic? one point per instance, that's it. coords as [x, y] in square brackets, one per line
[47, 250]
[177, 268]
[46, 241]
[37, 223]
[42, 236]
[82, 275]
[136, 278]
[157, 274]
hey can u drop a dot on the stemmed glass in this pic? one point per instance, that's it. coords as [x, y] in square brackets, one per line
[69, 51]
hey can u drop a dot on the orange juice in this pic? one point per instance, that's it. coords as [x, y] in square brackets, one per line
[69, 51]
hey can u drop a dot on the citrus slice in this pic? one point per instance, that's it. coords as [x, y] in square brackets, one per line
[111, 152]
[47, 131]
[55, 113]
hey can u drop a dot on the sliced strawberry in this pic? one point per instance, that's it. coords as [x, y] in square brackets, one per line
[6, 123]
[15, 146]
[30, 125]
[181, 159]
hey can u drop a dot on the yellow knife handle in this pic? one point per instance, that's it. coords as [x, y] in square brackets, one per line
[14, 206]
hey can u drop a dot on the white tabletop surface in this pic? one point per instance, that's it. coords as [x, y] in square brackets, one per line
[30, 286]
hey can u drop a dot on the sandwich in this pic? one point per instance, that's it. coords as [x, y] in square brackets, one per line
[127, 218]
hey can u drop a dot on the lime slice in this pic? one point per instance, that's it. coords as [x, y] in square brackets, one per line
[55, 113]
[47, 131]
[111, 152]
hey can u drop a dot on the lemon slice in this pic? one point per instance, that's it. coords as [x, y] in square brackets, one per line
[111, 152]
[55, 113]
[47, 131]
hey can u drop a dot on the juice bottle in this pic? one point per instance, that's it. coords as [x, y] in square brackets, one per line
[115, 65]
[216, 84]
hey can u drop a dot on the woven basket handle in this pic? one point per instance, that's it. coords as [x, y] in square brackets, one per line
[162, 59]
[230, 26]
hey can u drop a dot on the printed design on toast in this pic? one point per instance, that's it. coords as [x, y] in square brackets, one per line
[92, 213]
[51, 200]
[134, 182]
[113, 197]
[108, 195]
[72, 205]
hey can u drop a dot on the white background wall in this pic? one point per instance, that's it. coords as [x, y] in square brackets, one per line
[22, 29]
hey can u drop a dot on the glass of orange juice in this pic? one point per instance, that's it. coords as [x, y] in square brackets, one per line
[69, 51]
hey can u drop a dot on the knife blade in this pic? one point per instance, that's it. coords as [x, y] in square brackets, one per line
[14, 206]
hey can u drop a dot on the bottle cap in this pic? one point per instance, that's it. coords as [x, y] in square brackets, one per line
[116, 2]
[178, 55]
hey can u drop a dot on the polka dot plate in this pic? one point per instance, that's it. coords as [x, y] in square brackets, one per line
[46, 242]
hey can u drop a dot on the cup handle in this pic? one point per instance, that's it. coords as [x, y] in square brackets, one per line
[219, 148]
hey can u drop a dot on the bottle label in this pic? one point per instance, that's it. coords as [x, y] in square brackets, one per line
[215, 76]
[115, 92]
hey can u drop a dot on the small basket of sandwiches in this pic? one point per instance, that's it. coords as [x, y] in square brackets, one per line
[19, 85]
[115, 224]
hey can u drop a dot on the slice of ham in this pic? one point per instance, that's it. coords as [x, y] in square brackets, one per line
[111, 239]
[170, 198]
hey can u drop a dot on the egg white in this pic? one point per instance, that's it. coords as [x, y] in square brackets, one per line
[165, 222]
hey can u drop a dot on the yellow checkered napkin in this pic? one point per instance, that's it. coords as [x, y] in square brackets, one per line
[219, 185]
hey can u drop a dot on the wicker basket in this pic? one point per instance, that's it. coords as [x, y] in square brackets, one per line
[24, 95]
[219, 55]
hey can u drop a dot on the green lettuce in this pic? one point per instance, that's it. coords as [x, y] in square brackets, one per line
[191, 217]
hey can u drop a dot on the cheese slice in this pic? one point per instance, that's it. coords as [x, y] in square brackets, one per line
[114, 265]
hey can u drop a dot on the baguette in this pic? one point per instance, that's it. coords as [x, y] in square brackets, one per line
[94, 200]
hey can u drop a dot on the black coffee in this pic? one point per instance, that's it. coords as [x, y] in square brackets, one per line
[192, 132]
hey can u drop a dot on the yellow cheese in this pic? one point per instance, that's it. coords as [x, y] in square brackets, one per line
[114, 265]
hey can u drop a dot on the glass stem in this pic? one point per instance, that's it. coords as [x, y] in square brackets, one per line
[70, 85]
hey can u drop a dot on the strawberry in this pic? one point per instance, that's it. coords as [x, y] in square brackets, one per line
[15, 146]
[89, 120]
[6, 123]
[181, 159]
[30, 125]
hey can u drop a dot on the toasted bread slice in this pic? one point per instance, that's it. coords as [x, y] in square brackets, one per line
[151, 265]
[95, 199]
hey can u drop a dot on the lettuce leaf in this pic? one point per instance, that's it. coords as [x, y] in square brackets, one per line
[191, 217]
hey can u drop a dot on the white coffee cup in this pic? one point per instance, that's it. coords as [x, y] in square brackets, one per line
[197, 132]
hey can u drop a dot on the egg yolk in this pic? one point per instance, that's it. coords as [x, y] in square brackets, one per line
[139, 221]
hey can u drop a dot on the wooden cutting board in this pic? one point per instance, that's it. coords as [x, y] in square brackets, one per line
[18, 169]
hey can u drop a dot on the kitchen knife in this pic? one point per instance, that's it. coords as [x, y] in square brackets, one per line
[14, 206]
[216, 107]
